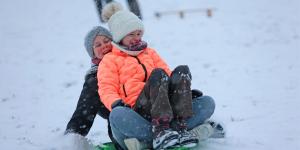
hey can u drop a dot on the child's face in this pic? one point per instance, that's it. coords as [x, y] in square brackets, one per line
[132, 38]
[102, 45]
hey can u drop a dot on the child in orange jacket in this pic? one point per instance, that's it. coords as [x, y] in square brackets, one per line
[147, 100]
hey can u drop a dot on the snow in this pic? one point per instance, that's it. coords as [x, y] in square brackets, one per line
[246, 57]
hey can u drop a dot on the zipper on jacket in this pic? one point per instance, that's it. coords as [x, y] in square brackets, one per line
[144, 67]
[124, 90]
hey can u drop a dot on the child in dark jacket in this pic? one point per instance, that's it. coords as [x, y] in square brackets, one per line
[97, 44]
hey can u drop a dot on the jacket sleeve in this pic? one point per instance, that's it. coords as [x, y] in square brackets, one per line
[108, 82]
[159, 62]
[88, 97]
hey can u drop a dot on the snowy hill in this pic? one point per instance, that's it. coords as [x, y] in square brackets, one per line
[246, 57]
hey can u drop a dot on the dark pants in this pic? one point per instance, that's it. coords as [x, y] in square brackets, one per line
[166, 97]
[99, 6]
[133, 6]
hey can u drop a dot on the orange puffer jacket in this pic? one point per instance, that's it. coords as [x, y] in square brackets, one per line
[121, 76]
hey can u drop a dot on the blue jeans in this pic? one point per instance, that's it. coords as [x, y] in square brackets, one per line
[126, 123]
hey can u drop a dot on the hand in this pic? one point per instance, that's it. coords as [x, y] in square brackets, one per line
[196, 93]
[119, 103]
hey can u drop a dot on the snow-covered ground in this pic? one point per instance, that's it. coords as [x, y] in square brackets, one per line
[246, 56]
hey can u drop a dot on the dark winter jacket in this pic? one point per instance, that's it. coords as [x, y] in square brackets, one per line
[90, 91]
[88, 105]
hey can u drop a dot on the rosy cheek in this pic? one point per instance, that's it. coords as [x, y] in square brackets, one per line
[103, 50]
[97, 52]
[109, 47]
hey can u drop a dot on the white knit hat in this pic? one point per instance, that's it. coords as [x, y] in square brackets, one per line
[120, 22]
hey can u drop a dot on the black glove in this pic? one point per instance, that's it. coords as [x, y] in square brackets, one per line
[196, 93]
[119, 103]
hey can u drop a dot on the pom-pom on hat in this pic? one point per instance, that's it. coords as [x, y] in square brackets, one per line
[120, 22]
[90, 37]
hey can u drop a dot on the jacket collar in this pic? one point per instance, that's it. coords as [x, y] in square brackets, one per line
[119, 49]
